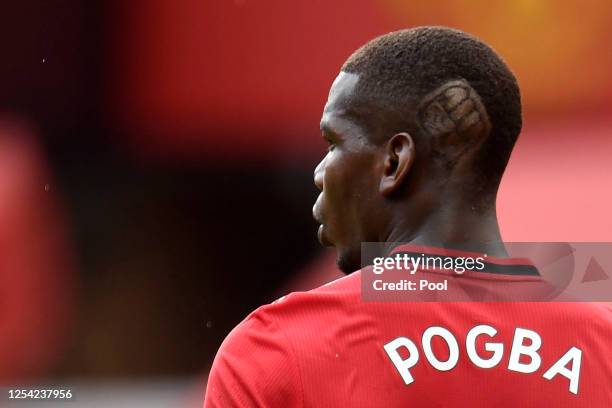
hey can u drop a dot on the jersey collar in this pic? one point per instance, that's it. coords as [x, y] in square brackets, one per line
[496, 265]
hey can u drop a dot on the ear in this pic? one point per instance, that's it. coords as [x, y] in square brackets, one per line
[399, 157]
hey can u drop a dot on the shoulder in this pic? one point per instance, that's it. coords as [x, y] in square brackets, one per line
[258, 362]
[589, 319]
[333, 298]
[276, 319]
[602, 312]
[255, 366]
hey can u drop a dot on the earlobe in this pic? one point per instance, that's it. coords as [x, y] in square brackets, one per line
[399, 156]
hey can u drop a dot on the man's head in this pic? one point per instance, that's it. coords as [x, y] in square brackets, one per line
[412, 114]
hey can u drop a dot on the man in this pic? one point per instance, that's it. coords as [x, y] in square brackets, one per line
[421, 124]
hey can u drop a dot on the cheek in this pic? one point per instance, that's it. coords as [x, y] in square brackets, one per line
[348, 184]
[336, 181]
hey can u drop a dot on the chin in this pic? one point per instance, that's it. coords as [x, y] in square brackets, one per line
[349, 262]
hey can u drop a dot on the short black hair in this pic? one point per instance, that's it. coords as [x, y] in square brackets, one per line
[398, 69]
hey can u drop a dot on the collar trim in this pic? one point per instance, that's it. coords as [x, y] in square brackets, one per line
[495, 265]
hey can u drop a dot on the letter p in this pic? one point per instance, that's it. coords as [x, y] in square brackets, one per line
[403, 366]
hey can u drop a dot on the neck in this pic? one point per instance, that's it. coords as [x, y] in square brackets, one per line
[457, 224]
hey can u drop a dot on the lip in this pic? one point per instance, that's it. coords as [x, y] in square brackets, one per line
[322, 236]
[316, 214]
[316, 211]
[320, 233]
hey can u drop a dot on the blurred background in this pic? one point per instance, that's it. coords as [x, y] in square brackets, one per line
[156, 163]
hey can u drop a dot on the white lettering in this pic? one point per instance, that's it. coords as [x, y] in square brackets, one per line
[575, 355]
[453, 347]
[519, 349]
[496, 348]
[403, 366]
[525, 345]
[377, 269]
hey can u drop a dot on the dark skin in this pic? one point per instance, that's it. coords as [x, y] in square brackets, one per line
[390, 183]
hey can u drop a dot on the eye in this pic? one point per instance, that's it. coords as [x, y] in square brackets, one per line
[330, 144]
[329, 140]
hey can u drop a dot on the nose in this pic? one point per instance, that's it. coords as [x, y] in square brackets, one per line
[318, 174]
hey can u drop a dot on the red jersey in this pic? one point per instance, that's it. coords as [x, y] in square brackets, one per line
[330, 348]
